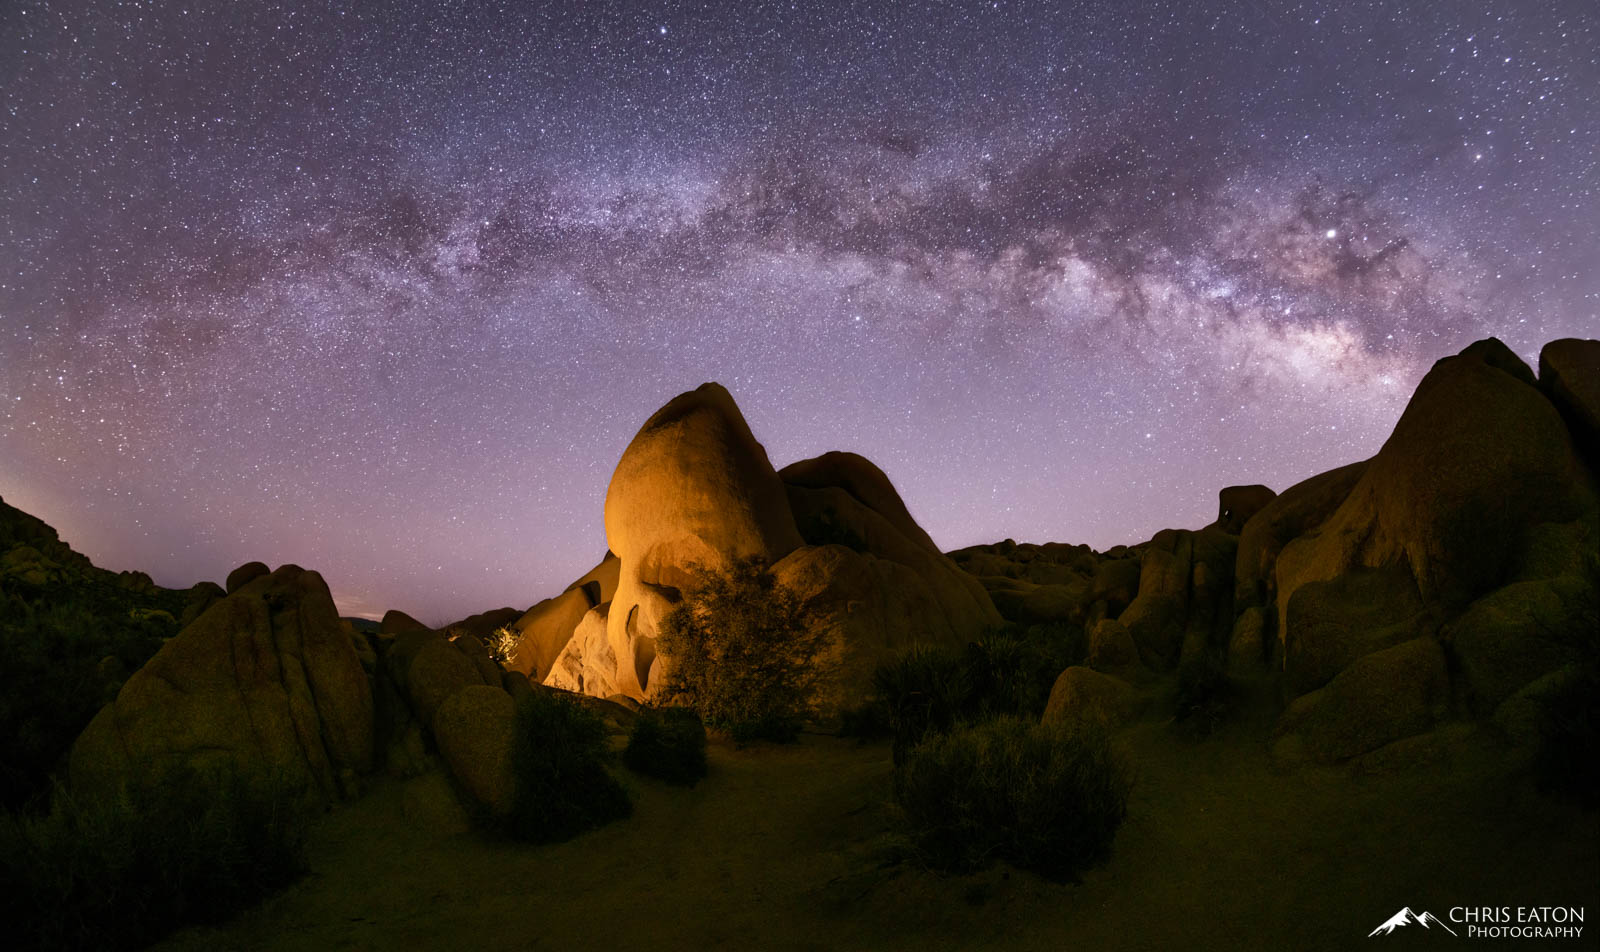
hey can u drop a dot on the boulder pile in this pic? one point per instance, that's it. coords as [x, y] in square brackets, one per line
[1453, 575]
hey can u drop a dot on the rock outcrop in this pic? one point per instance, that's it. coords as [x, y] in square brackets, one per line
[694, 489]
[1446, 577]
[244, 575]
[544, 630]
[266, 679]
[1569, 374]
[1083, 697]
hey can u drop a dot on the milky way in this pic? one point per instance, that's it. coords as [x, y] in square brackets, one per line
[385, 289]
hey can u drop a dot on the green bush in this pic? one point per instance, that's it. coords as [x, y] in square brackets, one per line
[1040, 797]
[669, 744]
[120, 871]
[561, 786]
[742, 651]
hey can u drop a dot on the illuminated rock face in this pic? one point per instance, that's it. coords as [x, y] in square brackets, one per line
[695, 488]
[268, 678]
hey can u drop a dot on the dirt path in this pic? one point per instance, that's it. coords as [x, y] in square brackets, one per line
[782, 848]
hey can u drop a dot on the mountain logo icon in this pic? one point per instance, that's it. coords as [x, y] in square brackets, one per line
[1406, 917]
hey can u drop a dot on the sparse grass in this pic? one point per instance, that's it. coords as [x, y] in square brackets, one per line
[117, 872]
[669, 744]
[1040, 797]
[744, 653]
[559, 759]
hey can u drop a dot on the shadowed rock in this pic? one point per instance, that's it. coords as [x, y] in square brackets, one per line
[397, 622]
[244, 575]
[1084, 697]
[1381, 698]
[1477, 459]
[1236, 505]
[1569, 373]
[267, 679]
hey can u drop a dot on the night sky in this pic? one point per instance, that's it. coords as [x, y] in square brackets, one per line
[384, 289]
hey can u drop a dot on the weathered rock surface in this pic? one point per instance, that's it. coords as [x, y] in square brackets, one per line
[692, 488]
[397, 622]
[1332, 623]
[1237, 505]
[1300, 508]
[1111, 647]
[865, 484]
[429, 669]
[244, 575]
[1381, 698]
[1084, 697]
[1478, 458]
[587, 665]
[1185, 601]
[474, 729]
[266, 679]
[544, 630]
[1516, 635]
[1569, 373]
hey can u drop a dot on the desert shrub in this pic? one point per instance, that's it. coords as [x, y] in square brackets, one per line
[743, 652]
[1013, 669]
[51, 681]
[119, 871]
[560, 784]
[502, 645]
[1204, 693]
[925, 690]
[1010, 671]
[1040, 797]
[669, 744]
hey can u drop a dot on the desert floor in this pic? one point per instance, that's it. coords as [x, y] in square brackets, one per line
[791, 847]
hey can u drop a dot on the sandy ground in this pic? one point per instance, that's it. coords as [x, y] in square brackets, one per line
[784, 847]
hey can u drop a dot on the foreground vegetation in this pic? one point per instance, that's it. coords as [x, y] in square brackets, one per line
[117, 872]
[1038, 796]
[560, 782]
[64, 650]
[745, 653]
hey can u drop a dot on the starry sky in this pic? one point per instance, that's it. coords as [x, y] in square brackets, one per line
[384, 289]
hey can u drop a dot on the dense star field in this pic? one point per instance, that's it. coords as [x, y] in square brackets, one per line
[385, 289]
